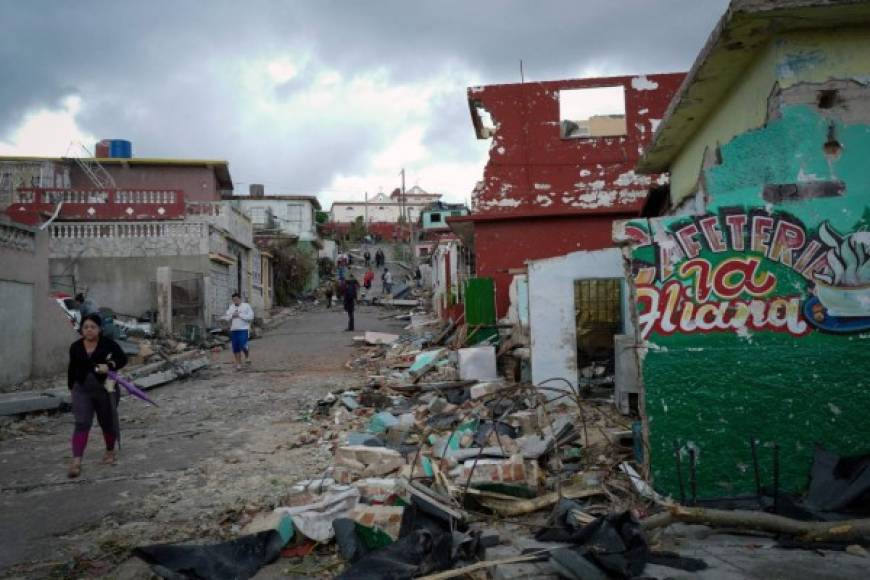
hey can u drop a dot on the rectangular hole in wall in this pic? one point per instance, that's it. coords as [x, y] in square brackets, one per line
[593, 112]
[598, 317]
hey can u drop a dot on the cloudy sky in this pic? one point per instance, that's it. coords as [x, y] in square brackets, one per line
[321, 97]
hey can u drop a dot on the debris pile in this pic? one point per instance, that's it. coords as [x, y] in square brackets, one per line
[444, 467]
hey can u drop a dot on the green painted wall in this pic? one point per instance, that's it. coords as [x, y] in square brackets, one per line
[428, 224]
[770, 351]
[790, 59]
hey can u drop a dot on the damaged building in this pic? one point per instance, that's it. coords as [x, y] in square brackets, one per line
[560, 172]
[115, 220]
[751, 275]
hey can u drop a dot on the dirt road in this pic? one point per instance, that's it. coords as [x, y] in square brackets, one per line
[220, 442]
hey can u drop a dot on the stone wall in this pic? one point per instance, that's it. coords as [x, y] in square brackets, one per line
[24, 268]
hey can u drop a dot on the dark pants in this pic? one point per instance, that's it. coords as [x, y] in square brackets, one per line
[90, 399]
[349, 316]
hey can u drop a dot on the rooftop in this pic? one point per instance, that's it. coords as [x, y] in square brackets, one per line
[221, 168]
[746, 27]
[309, 198]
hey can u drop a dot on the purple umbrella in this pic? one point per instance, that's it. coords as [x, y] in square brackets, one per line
[131, 388]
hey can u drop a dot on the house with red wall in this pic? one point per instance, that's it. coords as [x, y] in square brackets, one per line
[555, 184]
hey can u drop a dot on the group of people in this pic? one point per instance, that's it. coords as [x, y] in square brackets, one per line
[380, 258]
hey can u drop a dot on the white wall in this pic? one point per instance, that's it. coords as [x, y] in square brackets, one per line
[294, 217]
[377, 212]
[551, 308]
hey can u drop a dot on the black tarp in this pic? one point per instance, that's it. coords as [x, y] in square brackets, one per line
[238, 559]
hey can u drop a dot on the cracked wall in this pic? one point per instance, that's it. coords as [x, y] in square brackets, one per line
[532, 169]
[756, 312]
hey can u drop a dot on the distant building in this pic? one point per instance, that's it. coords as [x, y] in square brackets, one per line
[292, 215]
[435, 216]
[277, 218]
[383, 208]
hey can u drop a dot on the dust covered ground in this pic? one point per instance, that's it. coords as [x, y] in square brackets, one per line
[220, 444]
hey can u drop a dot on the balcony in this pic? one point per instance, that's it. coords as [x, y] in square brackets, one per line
[127, 239]
[33, 206]
[226, 217]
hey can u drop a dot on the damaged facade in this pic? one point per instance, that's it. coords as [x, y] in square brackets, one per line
[553, 175]
[752, 293]
[116, 220]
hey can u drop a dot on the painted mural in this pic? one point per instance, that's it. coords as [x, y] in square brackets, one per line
[756, 315]
[751, 270]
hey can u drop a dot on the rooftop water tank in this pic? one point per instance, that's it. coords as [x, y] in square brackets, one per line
[120, 148]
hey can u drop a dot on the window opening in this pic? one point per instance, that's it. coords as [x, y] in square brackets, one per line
[593, 112]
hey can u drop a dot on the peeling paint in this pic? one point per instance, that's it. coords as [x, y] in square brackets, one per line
[643, 83]
[543, 186]
[544, 200]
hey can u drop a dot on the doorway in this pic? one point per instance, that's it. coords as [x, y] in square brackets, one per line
[598, 315]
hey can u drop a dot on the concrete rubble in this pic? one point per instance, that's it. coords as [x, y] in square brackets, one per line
[521, 479]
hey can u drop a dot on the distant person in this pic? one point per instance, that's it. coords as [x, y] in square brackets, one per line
[368, 258]
[90, 359]
[387, 279]
[418, 277]
[86, 306]
[328, 294]
[240, 314]
[368, 278]
[351, 290]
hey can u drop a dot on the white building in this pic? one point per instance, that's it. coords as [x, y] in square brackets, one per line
[384, 208]
[292, 215]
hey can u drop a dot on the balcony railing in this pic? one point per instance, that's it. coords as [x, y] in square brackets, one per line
[31, 206]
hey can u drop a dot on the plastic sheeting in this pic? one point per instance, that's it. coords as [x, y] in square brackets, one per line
[235, 560]
[315, 520]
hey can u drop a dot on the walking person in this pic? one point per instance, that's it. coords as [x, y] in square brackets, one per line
[328, 295]
[368, 257]
[351, 290]
[418, 277]
[240, 314]
[90, 359]
[368, 278]
[388, 281]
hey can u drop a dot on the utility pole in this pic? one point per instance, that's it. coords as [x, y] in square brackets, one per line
[404, 200]
[366, 210]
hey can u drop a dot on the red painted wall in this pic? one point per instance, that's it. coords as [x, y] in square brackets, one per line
[531, 168]
[508, 244]
[198, 183]
[387, 230]
[33, 206]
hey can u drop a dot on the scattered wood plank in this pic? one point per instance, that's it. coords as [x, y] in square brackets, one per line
[841, 531]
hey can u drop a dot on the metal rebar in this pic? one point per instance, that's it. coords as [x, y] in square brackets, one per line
[693, 476]
[679, 472]
[776, 478]
[753, 444]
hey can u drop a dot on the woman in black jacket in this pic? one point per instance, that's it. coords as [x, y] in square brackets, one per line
[90, 359]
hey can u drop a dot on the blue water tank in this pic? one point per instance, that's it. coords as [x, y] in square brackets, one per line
[120, 148]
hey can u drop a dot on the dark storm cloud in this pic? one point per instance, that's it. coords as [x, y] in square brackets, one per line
[161, 72]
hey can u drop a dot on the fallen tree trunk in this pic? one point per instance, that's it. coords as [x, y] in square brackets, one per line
[518, 507]
[842, 531]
